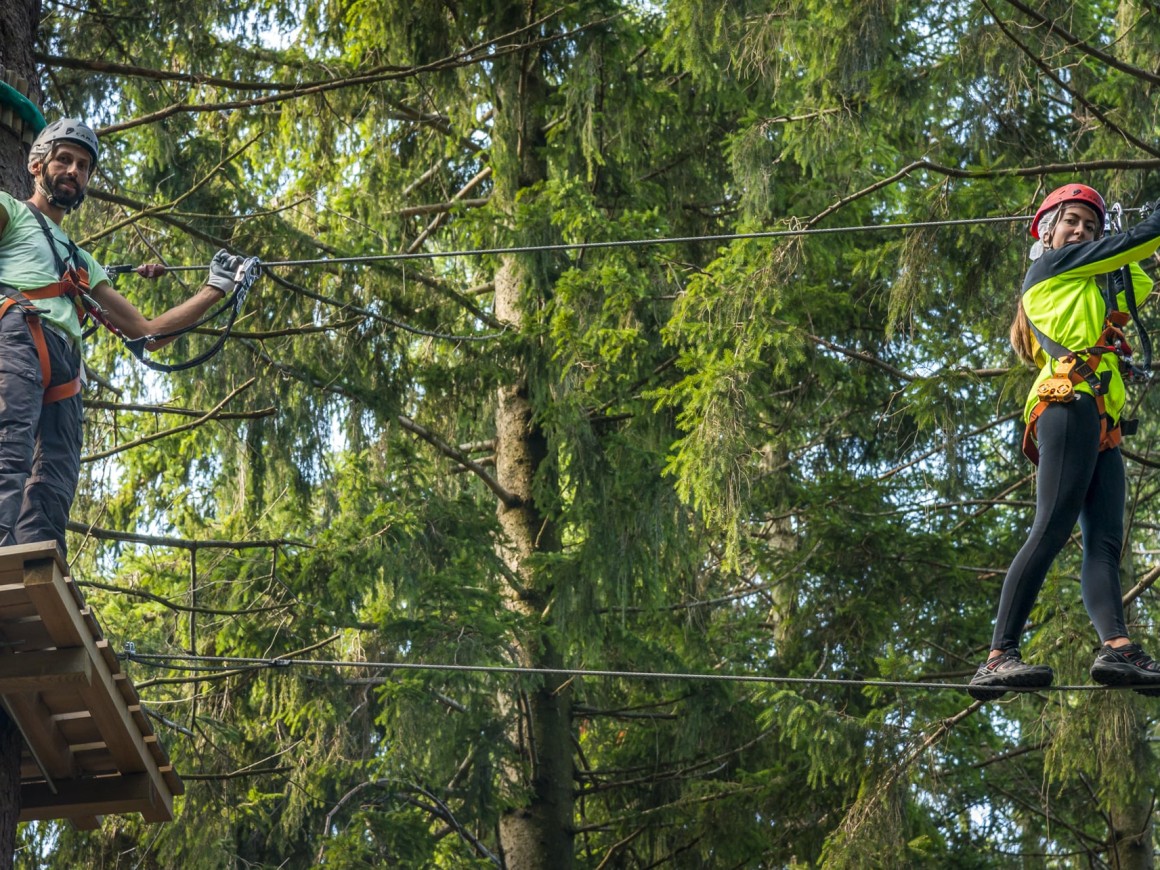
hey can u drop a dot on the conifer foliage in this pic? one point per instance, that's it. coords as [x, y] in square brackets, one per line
[565, 538]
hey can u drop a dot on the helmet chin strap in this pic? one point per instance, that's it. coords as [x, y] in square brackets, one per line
[45, 191]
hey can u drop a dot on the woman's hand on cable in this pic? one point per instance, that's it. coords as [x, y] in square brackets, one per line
[223, 271]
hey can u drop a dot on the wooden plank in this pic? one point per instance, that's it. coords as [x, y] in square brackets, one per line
[108, 655]
[28, 633]
[65, 702]
[76, 727]
[13, 558]
[35, 671]
[16, 610]
[46, 586]
[81, 798]
[51, 751]
[176, 785]
[12, 589]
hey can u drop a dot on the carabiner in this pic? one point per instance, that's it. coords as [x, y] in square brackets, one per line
[1115, 218]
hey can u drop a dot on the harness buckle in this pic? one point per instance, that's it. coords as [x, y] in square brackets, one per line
[1059, 387]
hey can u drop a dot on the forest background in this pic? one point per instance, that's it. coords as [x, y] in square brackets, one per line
[766, 469]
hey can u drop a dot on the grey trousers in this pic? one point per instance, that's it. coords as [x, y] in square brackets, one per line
[40, 445]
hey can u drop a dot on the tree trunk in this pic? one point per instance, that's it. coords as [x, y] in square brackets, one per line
[11, 746]
[18, 20]
[1130, 818]
[536, 834]
[1130, 838]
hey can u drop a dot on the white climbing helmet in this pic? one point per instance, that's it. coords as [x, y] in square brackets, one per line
[64, 130]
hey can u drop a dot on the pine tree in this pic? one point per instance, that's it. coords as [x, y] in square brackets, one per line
[791, 458]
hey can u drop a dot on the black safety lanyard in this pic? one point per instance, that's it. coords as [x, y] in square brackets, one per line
[244, 279]
[1121, 281]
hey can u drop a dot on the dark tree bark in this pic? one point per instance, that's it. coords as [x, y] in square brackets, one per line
[11, 746]
[536, 835]
[18, 20]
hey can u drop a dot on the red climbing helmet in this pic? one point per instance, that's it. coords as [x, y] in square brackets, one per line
[1089, 196]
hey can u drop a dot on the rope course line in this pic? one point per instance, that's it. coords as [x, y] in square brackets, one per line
[221, 663]
[614, 243]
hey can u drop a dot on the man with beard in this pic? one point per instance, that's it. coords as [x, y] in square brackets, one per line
[47, 287]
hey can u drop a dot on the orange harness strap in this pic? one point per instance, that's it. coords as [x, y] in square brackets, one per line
[1110, 436]
[1059, 389]
[51, 394]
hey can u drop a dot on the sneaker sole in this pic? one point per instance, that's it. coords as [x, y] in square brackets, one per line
[998, 687]
[1114, 674]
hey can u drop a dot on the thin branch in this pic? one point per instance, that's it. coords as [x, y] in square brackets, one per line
[1076, 168]
[237, 774]
[102, 405]
[863, 356]
[1051, 74]
[442, 289]
[289, 331]
[131, 71]
[976, 431]
[185, 427]
[403, 789]
[456, 61]
[179, 543]
[441, 207]
[148, 211]
[197, 185]
[439, 218]
[172, 605]
[1091, 51]
[509, 499]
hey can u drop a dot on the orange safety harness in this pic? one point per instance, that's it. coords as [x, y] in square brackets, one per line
[74, 284]
[1074, 367]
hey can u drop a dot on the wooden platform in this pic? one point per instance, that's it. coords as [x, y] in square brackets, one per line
[89, 749]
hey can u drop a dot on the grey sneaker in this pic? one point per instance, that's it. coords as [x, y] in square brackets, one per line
[1127, 665]
[1007, 671]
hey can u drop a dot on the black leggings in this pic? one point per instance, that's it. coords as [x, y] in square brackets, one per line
[1075, 481]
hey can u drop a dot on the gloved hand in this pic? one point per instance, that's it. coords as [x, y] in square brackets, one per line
[223, 268]
[1149, 207]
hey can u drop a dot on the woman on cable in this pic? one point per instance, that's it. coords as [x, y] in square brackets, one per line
[1067, 326]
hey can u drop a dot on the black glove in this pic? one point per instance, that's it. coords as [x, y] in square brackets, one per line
[223, 270]
[1149, 207]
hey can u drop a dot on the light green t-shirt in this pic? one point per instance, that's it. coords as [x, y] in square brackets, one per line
[27, 262]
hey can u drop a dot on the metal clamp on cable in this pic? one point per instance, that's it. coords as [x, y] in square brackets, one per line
[248, 271]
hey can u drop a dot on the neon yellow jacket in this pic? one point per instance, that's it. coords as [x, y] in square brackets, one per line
[1063, 301]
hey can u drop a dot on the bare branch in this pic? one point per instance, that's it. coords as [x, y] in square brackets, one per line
[185, 427]
[1051, 74]
[102, 534]
[469, 57]
[102, 405]
[172, 605]
[439, 218]
[1090, 50]
[509, 499]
